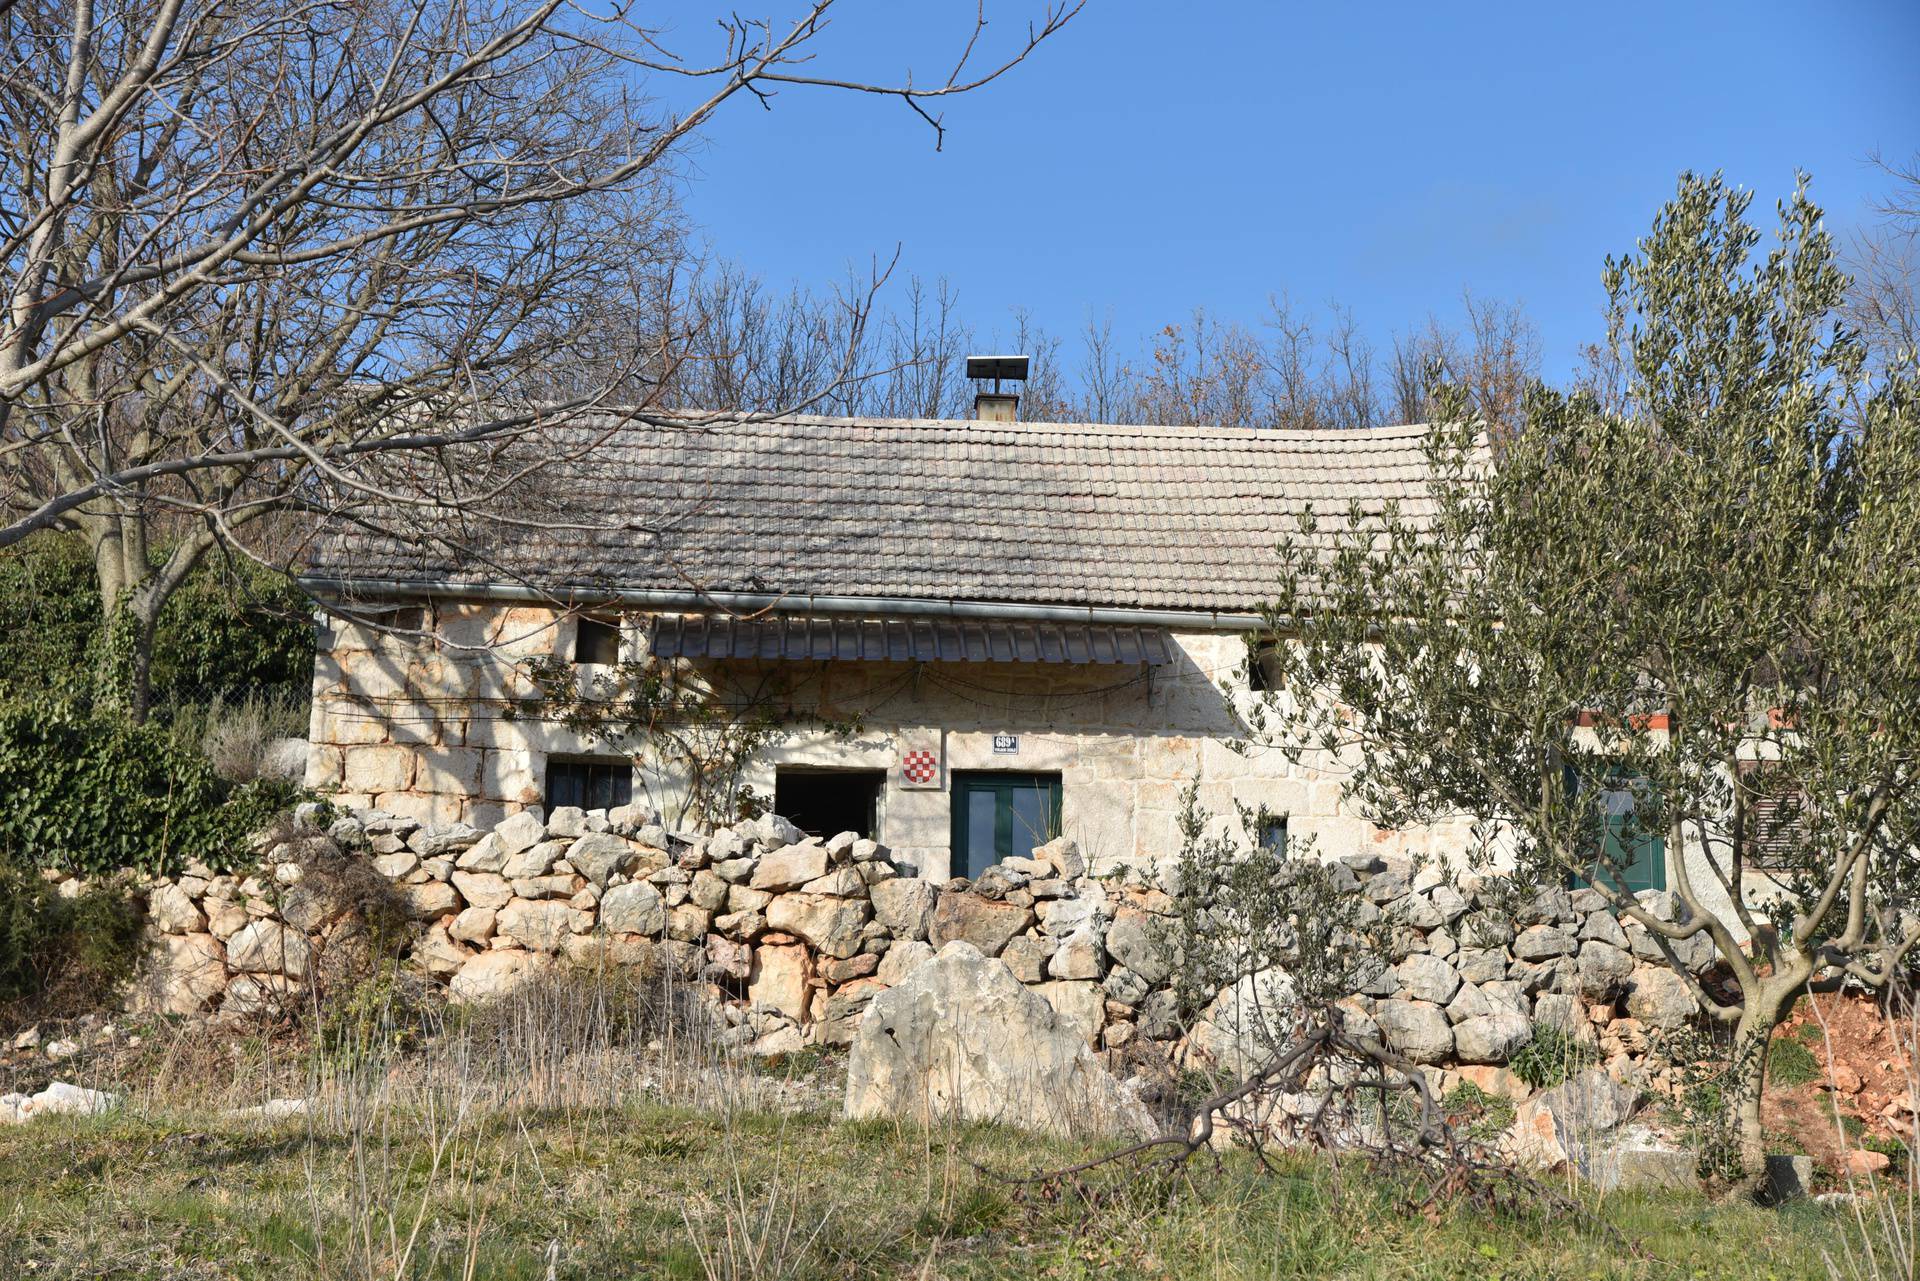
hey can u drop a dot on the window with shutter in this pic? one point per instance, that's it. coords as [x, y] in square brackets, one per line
[1776, 821]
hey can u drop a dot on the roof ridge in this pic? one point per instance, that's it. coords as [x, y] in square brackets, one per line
[1393, 431]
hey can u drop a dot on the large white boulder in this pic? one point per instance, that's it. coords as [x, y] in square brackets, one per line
[493, 974]
[188, 973]
[962, 1037]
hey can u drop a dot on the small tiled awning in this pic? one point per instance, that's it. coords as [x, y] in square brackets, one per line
[907, 640]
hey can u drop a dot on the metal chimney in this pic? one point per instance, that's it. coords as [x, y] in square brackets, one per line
[996, 406]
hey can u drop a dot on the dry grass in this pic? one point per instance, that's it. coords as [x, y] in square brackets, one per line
[589, 1128]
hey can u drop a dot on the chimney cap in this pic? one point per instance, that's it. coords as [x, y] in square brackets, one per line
[997, 367]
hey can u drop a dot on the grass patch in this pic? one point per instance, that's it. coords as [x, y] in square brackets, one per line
[1477, 1114]
[1551, 1056]
[660, 1191]
[1791, 1063]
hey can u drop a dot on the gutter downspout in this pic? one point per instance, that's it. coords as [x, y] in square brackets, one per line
[784, 603]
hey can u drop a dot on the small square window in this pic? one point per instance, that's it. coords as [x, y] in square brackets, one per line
[598, 641]
[590, 785]
[1273, 835]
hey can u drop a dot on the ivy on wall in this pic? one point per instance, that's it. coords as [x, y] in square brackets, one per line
[82, 789]
[92, 794]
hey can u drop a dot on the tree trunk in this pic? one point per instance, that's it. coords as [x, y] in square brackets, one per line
[1747, 1087]
[1747, 1074]
[123, 666]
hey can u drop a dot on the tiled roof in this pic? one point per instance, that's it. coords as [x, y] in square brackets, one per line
[1033, 513]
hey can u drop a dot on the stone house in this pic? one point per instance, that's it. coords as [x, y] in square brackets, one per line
[972, 635]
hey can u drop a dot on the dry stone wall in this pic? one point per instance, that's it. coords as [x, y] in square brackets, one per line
[794, 936]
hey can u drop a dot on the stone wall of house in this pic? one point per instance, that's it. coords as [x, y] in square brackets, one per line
[793, 936]
[416, 724]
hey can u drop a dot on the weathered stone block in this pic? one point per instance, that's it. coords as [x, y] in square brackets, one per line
[789, 867]
[633, 908]
[986, 924]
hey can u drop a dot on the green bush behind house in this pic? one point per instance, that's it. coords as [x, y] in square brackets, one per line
[231, 630]
[85, 790]
[91, 794]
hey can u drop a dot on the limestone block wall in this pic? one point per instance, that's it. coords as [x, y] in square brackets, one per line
[413, 722]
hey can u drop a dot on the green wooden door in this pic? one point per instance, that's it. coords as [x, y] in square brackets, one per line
[1001, 815]
[1636, 856]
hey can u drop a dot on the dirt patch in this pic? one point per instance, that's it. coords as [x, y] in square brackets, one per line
[1865, 1072]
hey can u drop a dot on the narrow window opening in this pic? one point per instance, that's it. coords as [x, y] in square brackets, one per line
[1273, 835]
[597, 641]
[1263, 666]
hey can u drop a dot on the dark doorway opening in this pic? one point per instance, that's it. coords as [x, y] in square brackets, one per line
[829, 802]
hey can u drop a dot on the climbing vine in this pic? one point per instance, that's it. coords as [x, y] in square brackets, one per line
[675, 721]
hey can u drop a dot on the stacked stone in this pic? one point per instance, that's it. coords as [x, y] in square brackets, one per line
[794, 935]
[1469, 975]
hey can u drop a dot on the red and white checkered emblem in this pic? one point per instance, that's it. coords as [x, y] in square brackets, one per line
[919, 766]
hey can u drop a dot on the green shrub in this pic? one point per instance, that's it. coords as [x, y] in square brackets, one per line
[388, 1013]
[1791, 1063]
[63, 956]
[93, 794]
[232, 630]
[1550, 1057]
[1477, 1114]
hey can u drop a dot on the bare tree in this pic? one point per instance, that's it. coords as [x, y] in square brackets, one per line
[253, 251]
[1883, 304]
[1493, 362]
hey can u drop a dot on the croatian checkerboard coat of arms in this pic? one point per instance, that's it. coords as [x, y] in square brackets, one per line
[919, 758]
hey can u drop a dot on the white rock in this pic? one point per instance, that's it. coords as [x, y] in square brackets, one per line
[963, 1037]
[495, 974]
[488, 854]
[538, 926]
[597, 855]
[187, 973]
[63, 1097]
[483, 889]
[633, 908]
[1427, 978]
[475, 925]
[520, 831]
[268, 947]
[173, 912]
[396, 866]
[1491, 1038]
[790, 867]
[901, 960]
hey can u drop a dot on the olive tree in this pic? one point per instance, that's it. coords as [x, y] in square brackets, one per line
[1690, 616]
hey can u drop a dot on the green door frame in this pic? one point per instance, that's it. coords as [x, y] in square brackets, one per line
[1001, 783]
[1647, 869]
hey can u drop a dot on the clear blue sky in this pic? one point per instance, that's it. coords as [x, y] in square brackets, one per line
[1157, 157]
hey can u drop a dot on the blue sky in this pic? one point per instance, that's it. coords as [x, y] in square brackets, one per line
[1155, 157]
